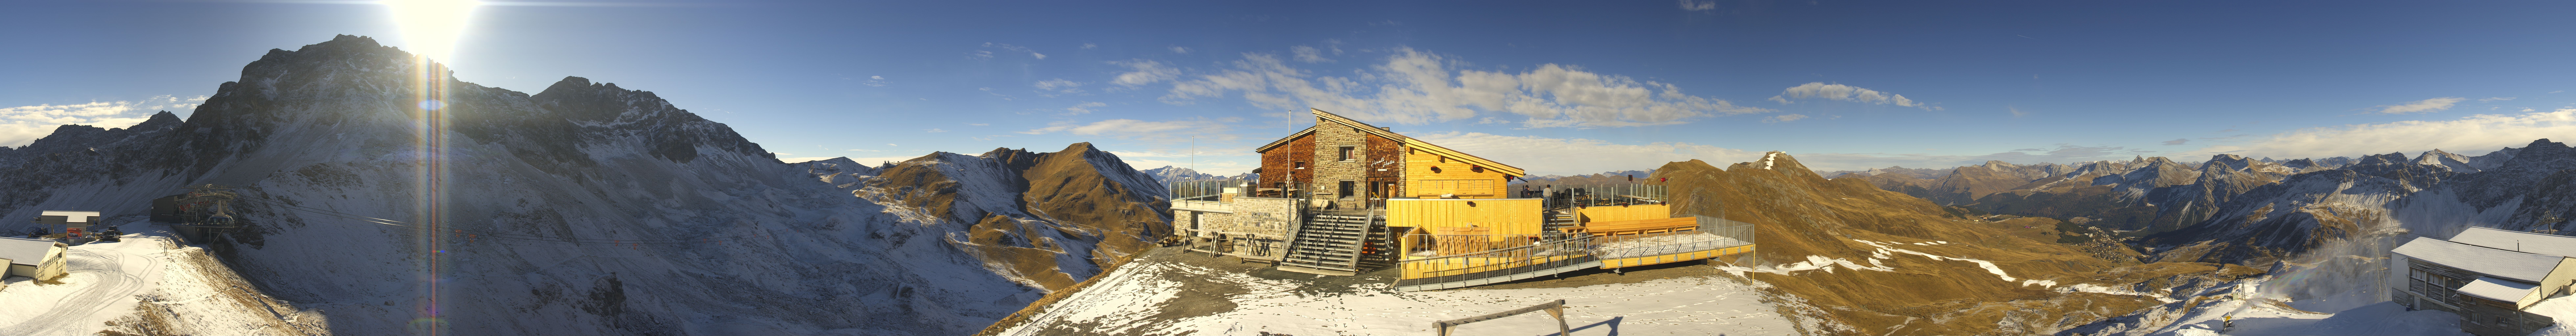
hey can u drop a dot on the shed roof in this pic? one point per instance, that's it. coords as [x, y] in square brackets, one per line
[23, 251]
[2518, 241]
[2519, 266]
[2498, 289]
[72, 216]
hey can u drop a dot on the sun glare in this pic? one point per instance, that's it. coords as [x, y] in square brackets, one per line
[430, 28]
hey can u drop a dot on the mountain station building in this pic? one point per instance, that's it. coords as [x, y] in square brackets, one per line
[34, 258]
[2487, 276]
[1343, 197]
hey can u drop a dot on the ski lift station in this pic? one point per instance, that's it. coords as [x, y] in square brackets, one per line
[2487, 276]
[1343, 197]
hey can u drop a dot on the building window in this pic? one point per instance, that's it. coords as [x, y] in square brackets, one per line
[1435, 170]
[1345, 188]
[1301, 165]
[1477, 169]
[1346, 153]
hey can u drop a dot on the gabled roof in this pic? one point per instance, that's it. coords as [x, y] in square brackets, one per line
[1408, 142]
[24, 251]
[2511, 265]
[2518, 241]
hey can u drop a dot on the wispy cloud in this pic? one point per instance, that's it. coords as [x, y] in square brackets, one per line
[1090, 46]
[1162, 131]
[2177, 141]
[1308, 54]
[1084, 107]
[1414, 87]
[2472, 135]
[1141, 72]
[1057, 87]
[1846, 93]
[24, 124]
[1180, 49]
[2420, 106]
[934, 130]
[1784, 118]
[1689, 5]
[875, 81]
[2495, 99]
[1011, 48]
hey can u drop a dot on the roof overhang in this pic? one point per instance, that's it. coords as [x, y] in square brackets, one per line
[71, 216]
[1408, 142]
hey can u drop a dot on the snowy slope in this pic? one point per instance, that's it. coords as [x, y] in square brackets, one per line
[750, 245]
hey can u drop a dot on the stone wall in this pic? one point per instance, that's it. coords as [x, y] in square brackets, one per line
[1330, 170]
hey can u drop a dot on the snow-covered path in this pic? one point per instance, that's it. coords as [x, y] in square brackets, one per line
[1167, 297]
[105, 276]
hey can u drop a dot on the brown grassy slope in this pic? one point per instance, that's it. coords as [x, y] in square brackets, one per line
[1068, 194]
[1799, 214]
[1966, 184]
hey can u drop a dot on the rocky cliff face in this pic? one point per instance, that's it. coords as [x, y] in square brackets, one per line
[739, 243]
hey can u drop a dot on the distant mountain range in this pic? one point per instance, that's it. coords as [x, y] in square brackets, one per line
[2234, 209]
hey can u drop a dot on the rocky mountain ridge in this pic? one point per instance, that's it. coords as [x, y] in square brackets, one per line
[942, 244]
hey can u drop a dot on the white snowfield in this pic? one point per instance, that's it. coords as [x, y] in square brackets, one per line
[1127, 301]
[1881, 252]
[109, 279]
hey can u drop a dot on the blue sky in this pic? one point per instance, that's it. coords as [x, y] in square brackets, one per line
[1553, 87]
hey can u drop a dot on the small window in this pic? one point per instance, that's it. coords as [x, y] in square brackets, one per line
[1476, 169]
[1444, 159]
[1435, 170]
[1345, 189]
[1301, 165]
[1346, 153]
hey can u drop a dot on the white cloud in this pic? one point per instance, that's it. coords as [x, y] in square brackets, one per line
[1090, 46]
[1309, 54]
[1180, 49]
[934, 130]
[2472, 135]
[1414, 87]
[875, 81]
[1165, 131]
[2016, 111]
[1547, 156]
[1143, 72]
[2177, 141]
[1084, 107]
[1846, 93]
[2427, 105]
[1784, 118]
[1689, 5]
[1059, 86]
[1013, 48]
[22, 125]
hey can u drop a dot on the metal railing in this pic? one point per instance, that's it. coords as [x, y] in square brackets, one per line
[1201, 188]
[1454, 271]
[1437, 245]
[1565, 195]
[1711, 234]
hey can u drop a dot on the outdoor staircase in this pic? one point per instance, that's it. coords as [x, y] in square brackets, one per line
[1557, 222]
[1328, 244]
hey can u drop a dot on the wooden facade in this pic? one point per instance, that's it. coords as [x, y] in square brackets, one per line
[1380, 164]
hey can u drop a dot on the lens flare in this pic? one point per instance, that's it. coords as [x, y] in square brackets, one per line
[431, 27]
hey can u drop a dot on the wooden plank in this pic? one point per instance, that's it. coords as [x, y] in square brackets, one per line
[1554, 308]
[1500, 216]
[1625, 213]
